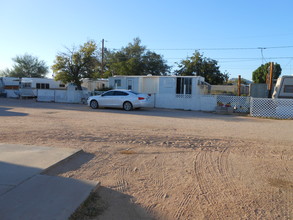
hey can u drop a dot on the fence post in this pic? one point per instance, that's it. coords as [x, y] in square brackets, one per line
[251, 106]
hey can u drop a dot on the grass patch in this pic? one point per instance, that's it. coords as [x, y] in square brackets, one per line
[90, 208]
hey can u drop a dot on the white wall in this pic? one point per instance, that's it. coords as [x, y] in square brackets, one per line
[67, 96]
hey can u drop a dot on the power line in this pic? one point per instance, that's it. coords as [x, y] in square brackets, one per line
[228, 48]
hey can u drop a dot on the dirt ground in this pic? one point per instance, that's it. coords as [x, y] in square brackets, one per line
[165, 164]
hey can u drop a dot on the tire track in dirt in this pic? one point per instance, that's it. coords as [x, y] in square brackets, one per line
[212, 176]
[121, 184]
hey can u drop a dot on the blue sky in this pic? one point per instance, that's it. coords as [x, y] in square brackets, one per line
[171, 28]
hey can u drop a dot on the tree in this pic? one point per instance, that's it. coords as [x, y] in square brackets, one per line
[27, 66]
[136, 60]
[198, 65]
[74, 65]
[260, 74]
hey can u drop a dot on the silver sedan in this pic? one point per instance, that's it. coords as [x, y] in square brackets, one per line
[118, 98]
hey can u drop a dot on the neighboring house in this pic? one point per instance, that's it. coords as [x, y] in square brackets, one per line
[9, 87]
[29, 86]
[95, 84]
[229, 89]
[13, 87]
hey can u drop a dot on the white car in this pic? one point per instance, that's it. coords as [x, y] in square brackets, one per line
[119, 98]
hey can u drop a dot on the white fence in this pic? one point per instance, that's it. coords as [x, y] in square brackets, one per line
[68, 96]
[202, 102]
[272, 108]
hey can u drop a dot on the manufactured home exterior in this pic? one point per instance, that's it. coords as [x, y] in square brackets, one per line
[95, 84]
[177, 92]
[9, 87]
[29, 86]
[160, 84]
[284, 88]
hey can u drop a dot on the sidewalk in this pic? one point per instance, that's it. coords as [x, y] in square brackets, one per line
[27, 194]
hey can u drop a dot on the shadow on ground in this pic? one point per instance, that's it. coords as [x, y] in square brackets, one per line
[123, 206]
[73, 163]
[153, 112]
[5, 112]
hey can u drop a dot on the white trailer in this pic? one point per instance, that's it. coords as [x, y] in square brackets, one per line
[30, 86]
[284, 88]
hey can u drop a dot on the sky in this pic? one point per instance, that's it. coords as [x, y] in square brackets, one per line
[240, 34]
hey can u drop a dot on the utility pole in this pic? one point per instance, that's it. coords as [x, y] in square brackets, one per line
[270, 85]
[102, 65]
[239, 85]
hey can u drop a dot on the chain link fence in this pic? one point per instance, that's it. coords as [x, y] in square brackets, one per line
[272, 108]
[240, 104]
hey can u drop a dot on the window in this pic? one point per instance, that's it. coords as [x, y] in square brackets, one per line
[288, 89]
[120, 93]
[43, 86]
[111, 93]
[26, 85]
[117, 82]
[183, 85]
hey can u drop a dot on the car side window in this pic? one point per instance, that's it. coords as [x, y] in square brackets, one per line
[111, 93]
[120, 93]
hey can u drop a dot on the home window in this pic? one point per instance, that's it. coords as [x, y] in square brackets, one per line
[117, 82]
[26, 85]
[288, 89]
[183, 85]
[43, 86]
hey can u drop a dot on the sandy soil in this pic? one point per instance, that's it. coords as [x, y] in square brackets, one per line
[165, 164]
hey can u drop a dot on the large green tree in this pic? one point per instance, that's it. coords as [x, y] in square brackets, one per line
[135, 59]
[27, 66]
[198, 65]
[260, 74]
[75, 64]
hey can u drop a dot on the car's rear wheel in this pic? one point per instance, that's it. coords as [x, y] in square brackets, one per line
[94, 104]
[127, 106]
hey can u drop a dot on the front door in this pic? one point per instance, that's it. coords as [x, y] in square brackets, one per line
[129, 84]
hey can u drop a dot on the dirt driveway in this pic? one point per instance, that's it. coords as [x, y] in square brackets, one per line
[166, 164]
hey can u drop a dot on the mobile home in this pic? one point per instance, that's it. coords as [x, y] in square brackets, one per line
[284, 88]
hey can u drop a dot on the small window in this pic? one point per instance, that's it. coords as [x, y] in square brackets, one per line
[111, 93]
[288, 89]
[26, 85]
[62, 85]
[47, 86]
[117, 82]
[38, 85]
[183, 85]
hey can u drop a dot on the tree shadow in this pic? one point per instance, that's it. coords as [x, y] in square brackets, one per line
[121, 206]
[4, 112]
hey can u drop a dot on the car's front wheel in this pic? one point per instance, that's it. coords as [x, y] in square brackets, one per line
[94, 104]
[127, 106]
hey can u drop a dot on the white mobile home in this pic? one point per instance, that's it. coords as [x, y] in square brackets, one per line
[95, 84]
[160, 84]
[284, 87]
[9, 87]
[180, 92]
[30, 86]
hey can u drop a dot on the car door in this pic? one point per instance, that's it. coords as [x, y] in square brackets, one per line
[120, 98]
[106, 99]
